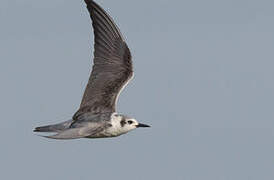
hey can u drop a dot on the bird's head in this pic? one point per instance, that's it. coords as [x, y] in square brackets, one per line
[127, 124]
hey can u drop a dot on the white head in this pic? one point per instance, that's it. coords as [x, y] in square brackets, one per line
[124, 124]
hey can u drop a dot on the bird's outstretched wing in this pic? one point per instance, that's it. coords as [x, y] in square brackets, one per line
[112, 67]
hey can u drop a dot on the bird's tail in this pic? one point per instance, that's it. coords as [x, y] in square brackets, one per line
[54, 127]
[73, 133]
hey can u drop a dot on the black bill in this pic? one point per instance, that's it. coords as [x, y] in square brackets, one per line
[142, 125]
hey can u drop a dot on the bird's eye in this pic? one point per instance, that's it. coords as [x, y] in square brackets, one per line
[130, 122]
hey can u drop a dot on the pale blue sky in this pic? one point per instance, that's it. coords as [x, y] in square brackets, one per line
[204, 80]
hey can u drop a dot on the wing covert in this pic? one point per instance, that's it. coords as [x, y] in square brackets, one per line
[112, 67]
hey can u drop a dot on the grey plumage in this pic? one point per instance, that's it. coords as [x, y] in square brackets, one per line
[86, 131]
[112, 69]
[112, 64]
[54, 127]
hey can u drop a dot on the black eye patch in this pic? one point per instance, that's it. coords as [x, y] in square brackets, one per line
[123, 122]
[130, 122]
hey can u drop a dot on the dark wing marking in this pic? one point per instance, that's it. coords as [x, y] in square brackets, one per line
[112, 67]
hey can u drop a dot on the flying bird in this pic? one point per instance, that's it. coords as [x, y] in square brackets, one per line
[112, 70]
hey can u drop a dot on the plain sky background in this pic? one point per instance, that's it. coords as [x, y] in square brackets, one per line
[204, 80]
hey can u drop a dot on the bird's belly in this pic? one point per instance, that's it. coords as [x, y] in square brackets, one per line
[111, 131]
[102, 135]
[105, 134]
